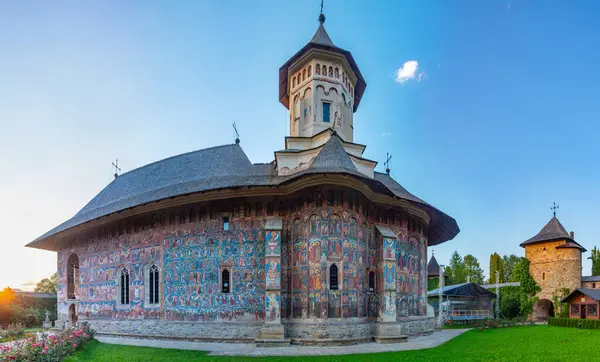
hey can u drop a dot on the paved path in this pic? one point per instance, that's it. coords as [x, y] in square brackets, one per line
[243, 349]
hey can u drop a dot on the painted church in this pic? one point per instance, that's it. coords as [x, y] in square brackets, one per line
[315, 247]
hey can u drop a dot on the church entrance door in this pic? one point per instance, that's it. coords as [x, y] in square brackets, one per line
[73, 314]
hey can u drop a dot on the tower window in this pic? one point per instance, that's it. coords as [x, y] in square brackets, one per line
[326, 111]
[293, 82]
[124, 287]
[304, 74]
[371, 281]
[543, 276]
[153, 285]
[337, 72]
[318, 69]
[225, 284]
[309, 70]
[225, 223]
[333, 277]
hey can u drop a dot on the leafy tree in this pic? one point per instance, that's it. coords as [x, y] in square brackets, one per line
[561, 309]
[472, 269]
[457, 268]
[448, 276]
[496, 264]
[508, 263]
[47, 285]
[510, 302]
[529, 288]
[595, 257]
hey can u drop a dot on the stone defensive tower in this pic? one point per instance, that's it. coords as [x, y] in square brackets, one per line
[555, 263]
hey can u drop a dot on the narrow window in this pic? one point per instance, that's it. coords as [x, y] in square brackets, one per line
[333, 277]
[324, 69]
[594, 285]
[293, 82]
[225, 223]
[318, 69]
[331, 71]
[326, 107]
[371, 281]
[304, 74]
[337, 73]
[225, 281]
[124, 286]
[153, 295]
[543, 276]
[309, 70]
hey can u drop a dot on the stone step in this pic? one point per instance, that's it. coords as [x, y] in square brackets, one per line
[391, 339]
[272, 342]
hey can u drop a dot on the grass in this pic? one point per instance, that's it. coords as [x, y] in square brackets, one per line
[529, 343]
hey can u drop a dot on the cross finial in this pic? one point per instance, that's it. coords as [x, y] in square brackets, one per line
[554, 207]
[321, 15]
[387, 163]
[237, 135]
[117, 168]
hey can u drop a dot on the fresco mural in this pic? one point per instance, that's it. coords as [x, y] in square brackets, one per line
[292, 264]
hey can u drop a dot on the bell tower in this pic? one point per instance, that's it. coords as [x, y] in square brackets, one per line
[321, 86]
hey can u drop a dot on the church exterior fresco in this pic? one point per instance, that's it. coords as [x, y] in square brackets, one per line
[275, 275]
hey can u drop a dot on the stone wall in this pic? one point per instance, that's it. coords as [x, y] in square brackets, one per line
[554, 268]
[590, 285]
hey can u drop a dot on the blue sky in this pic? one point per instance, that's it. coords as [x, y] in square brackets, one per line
[502, 123]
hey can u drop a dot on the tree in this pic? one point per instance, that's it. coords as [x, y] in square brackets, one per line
[595, 257]
[457, 268]
[472, 270]
[47, 285]
[529, 288]
[448, 276]
[508, 263]
[496, 265]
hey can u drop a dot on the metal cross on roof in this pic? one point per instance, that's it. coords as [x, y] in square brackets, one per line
[321, 6]
[117, 168]
[237, 135]
[387, 163]
[321, 15]
[554, 207]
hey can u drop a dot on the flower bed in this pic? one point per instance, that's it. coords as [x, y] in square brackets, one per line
[46, 347]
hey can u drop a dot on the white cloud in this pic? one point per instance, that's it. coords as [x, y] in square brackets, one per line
[409, 70]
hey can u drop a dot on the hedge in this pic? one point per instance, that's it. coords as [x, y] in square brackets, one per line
[574, 323]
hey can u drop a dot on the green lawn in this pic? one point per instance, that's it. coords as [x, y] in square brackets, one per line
[532, 343]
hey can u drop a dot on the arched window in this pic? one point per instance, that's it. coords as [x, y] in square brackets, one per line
[309, 70]
[124, 287]
[333, 277]
[324, 69]
[304, 74]
[72, 276]
[337, 72]
[318, 69]
[594, 285]
[225, 283]
[371, 281]
[153, 285]
[293, 82]
[331, 71]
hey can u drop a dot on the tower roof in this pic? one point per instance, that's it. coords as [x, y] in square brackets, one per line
[552, 231]
[433, 268]
[333, 158]
[321, 41]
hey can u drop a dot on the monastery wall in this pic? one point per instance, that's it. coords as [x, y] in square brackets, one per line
[316, 234]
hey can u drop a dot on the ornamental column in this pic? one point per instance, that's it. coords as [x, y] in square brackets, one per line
[387, 329]
[272, 333]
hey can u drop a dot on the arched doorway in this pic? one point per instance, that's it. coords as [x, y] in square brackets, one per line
[73, 314]
[543, 310]
[72, 276]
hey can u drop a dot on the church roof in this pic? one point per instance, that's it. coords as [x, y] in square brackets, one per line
[590, 278]
[551, 232]
[321, 40]
[433, 268]
[592, 293]
[226, 167]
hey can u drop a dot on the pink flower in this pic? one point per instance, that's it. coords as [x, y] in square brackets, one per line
[74, 344]
[44, 352]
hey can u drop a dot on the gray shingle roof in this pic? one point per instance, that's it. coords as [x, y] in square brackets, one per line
[433, 268]
[321, 37]
[592, 293]
[225, 167]
[591, 278]
[552, 231]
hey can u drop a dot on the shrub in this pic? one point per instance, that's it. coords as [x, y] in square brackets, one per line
[42, 347]
[15, 330]
[574, 323]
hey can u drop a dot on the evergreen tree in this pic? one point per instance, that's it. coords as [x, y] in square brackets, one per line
[595, 258]
[472, 270]
[457, 267]
[496, 264]
[448, 273]
[508, 263]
